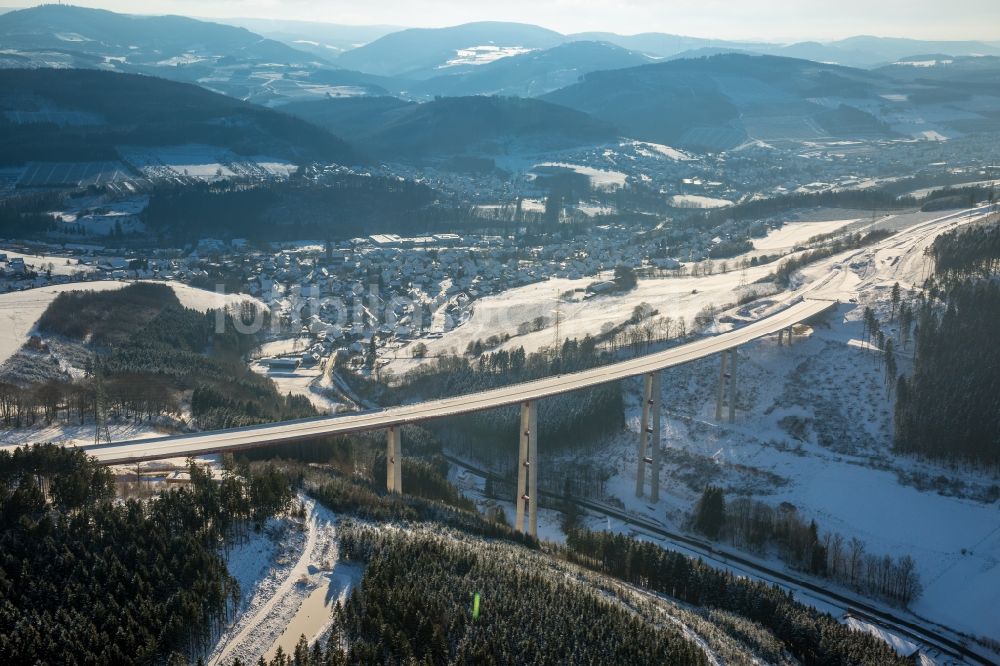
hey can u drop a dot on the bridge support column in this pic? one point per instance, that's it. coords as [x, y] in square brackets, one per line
[527, 471]
[394, 461]
[732, 385]
[781, 338]
[721, 397]
[649, 439]
[789, 336]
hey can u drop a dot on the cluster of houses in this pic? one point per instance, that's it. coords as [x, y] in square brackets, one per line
[12, 268]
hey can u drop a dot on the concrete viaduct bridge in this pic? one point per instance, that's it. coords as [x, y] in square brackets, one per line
[526, 395]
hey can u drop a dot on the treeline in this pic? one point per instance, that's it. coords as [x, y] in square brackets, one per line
[783, 274]
[149, 111]
[26, 216]
[417, 604]
[957, 197]
[868, 199]
[342, 205]
[149, 350]
[967, 253]
[810, 636]
[950, 406]
[86, 579]
[758, 527]
[368, 500]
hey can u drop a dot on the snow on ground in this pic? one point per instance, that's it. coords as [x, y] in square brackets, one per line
[40, 263]
[813, 427]
[278, 598]
[301, 381]
[698, 201]
[20, 310]
[284, 346]
[601, 179]
[483, 55]
[838, 467]
[473, 487]
[923, 192]
[649, 149]
[901, 646]
[797, 233]
[674, 297]
[74, 434]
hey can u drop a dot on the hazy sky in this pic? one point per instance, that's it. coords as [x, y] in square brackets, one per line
[771, 20]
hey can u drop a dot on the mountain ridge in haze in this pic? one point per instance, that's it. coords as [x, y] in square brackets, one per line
[476, 125]
[85, 115]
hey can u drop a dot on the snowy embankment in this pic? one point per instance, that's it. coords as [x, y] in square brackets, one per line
[289, 577]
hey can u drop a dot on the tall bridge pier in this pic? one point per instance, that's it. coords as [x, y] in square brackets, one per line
[527, 471]
[394, 460]
[649, 439]
[727, 380]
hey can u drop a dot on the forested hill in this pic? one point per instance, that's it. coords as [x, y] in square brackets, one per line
[148, 355]
[717, 102]
[85, 579]
[454, 125]
[84, 115]
[949, 406]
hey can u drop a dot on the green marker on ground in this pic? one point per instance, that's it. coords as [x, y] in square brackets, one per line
[475, 606]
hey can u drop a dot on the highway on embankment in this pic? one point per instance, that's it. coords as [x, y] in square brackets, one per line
[291, 431]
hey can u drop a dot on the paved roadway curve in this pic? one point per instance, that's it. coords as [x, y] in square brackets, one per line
[290, 431]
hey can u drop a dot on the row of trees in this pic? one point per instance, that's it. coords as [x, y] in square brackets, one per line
[756, 526]
[948, 407]
[967, 253]
[810, 636]
[85, 579]
[783, 274]
[341, 205]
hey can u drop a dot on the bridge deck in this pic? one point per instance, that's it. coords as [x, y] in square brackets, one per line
[290, 431]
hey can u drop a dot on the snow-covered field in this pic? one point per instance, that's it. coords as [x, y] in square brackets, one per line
[601, 179]
[40, 262]
[483, 55]
[73, 434]
[673, 297]
[20, 310]
[698, 201]
[201, 161]
[648, 149]
[796, 233]
[302, 381]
